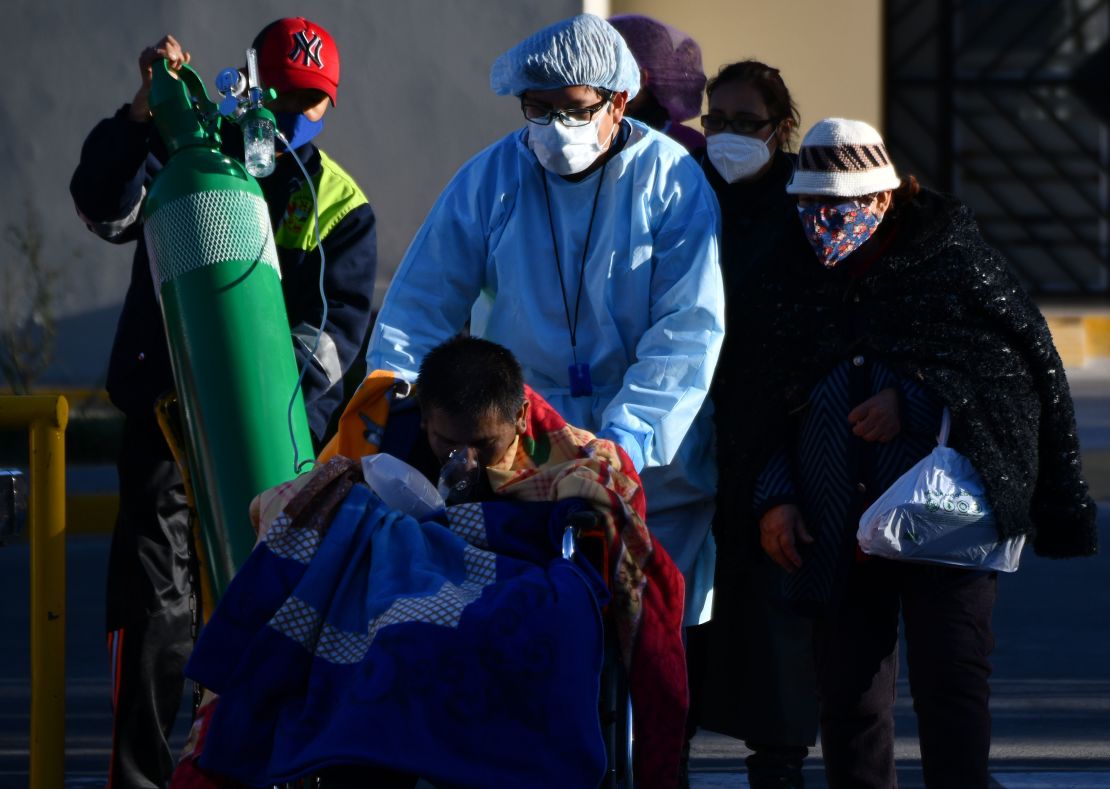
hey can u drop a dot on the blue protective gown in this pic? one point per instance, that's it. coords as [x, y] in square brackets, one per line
[650, 324]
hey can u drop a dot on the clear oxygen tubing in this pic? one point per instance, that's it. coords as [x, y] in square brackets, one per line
[297, 462]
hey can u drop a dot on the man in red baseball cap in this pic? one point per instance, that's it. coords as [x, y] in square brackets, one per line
[298, 59]
[150, 570]
[295, 54]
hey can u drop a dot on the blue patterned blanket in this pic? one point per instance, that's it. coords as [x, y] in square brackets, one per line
[467, 652]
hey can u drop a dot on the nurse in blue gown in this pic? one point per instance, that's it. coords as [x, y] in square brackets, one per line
[586, 243]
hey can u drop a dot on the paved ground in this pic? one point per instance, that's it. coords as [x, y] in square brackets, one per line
[1051, 688]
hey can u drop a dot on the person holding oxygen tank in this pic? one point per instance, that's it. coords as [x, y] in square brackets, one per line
[150, 580]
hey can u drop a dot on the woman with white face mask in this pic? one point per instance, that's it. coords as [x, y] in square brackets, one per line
[771, 705]
[750, 121]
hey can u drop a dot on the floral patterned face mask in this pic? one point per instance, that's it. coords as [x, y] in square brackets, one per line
[836, 231]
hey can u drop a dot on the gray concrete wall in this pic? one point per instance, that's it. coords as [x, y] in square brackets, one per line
[414, 104]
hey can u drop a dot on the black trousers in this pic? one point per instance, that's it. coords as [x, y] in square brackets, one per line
[149, 620]
[947, 617]
[759, 681]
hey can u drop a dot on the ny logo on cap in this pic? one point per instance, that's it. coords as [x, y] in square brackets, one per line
[307, 49]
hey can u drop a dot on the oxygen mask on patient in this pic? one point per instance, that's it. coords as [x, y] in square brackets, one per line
[400, 486]
[459, 477]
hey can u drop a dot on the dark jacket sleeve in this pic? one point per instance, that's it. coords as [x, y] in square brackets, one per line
[110, 181]
[350, 265]
[1062, 511]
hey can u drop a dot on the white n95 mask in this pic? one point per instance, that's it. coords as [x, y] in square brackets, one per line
[566, 150]
[737, 156]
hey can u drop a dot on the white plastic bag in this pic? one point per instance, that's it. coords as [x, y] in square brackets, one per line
[937, 512]
[400, 486]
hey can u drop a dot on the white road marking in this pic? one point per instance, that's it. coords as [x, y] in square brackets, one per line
[1071, 780]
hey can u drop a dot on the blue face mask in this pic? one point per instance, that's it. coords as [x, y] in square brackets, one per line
[836, 231]
[297, 128]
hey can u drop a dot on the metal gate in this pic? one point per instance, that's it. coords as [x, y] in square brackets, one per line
[1005, 104]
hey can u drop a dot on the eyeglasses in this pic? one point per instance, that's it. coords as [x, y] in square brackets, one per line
[575, 116]
[716, 123]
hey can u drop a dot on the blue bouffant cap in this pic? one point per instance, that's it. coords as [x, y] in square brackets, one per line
[582, 50]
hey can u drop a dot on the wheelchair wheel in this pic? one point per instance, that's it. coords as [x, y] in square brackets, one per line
[615, 710]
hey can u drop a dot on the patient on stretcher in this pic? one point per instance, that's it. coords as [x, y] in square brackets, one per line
[462, 648]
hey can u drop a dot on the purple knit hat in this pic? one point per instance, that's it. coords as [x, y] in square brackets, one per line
[672, 60]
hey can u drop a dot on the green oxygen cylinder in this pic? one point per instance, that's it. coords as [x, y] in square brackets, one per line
[216, 272]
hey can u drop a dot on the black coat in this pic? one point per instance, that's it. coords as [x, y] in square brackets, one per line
[942, 307]
[756, 219]
[757, 658]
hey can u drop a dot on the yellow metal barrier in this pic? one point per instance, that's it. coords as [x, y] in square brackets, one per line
[45, 418]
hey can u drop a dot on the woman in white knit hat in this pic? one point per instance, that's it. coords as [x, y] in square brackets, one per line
[885, 306]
